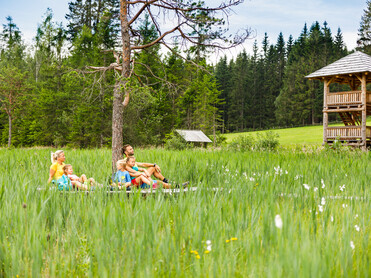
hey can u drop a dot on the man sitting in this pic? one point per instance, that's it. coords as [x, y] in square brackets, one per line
[151, 168]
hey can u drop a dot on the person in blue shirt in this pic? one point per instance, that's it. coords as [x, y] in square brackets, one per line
[64, 183]
[121, 178]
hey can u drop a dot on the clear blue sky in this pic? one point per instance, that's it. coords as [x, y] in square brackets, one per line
[271, 16]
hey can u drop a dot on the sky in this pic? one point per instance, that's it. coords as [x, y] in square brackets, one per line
[270, 16]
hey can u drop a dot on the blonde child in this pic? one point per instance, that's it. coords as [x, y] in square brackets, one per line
[121, 178]
[77, 182]
[138, 178]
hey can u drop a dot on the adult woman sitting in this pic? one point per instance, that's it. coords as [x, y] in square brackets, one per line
[56, 169]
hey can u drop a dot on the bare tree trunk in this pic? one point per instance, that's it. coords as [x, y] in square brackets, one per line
[118, 107]
[10, 131]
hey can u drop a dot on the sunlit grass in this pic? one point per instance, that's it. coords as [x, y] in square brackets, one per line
[49, 233]
[307, 135]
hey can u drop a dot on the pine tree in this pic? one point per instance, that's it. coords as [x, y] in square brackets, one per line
[364, 31]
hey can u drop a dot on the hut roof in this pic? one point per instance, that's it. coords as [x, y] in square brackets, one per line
[193, 135]
[356, 62]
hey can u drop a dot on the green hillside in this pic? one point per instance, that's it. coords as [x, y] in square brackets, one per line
[312, 135]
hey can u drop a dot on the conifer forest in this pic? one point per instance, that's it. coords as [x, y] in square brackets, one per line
[50, 94]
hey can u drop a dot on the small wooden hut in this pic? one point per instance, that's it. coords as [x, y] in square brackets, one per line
[352, 106]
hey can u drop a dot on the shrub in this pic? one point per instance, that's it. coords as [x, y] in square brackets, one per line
[267, 141]
[175, 142]
[242, 143]
[263, 141]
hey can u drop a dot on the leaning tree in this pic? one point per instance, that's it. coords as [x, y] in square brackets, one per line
[187, 21]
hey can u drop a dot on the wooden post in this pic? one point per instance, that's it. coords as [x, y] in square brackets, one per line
[363, 97]
[326, 90]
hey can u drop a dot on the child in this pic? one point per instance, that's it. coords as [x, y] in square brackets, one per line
[137, 178]
[80, 183]
[64, 183]
[121, 178]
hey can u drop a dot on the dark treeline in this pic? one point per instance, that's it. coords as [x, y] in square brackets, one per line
[49, 98]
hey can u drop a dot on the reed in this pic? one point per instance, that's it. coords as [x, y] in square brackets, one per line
[325, 228]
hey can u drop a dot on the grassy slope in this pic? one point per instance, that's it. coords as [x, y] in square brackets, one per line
[312, 135]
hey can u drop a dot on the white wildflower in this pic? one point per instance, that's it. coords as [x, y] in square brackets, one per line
[323, 183]
[252, 179]
[352, 245]
[208, 242]
[208, 248]
[332, 218]
[346, 175]
[345, 205]
[286, 172]
[320, 208]
[226, 169]
[357, 228]
[306, 186]
[278, 221]
[356, 216]
[315, 189]
[323, 201]
[342, 187]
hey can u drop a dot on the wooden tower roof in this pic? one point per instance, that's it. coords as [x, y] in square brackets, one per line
[345, 68]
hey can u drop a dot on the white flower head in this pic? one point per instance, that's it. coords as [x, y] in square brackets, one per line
[356, 216]
[278, 221]
[357, 228]
[323, 201]
[320, 208]
[342, 187]
[352, 245]
[315, 189]
[208, 242]
[252, 179]
[345, 205]
[323, 183]
[208, 247]
[332, 218]
[306, 186]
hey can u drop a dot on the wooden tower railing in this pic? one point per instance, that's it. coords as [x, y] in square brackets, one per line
[347, 99]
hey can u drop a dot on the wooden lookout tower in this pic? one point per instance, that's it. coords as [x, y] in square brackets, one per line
[352, 106]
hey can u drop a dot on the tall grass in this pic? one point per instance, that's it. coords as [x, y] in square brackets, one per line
[48, 233]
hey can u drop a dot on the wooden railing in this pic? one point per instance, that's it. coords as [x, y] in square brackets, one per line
[347, 98]
[347, 132]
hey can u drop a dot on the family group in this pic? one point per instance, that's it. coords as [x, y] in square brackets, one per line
[129, 174]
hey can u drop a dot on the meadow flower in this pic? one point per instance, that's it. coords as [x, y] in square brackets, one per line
[352, 245]
[278, 221]
[208, 248]
[323, 201]
[320, 208]
[357, 228]
[306, 186]
[342, 187]
[233, 238]
[286, 172]
[227, 240]
[207, 252]
[356, 216]
[345, 205]
[332, 218]
[208, 242]
[252, 179]
[198, 257]
[323, 183]
[315, 189]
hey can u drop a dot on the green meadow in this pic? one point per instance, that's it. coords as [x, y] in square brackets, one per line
[307, 135]
[275, 214]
